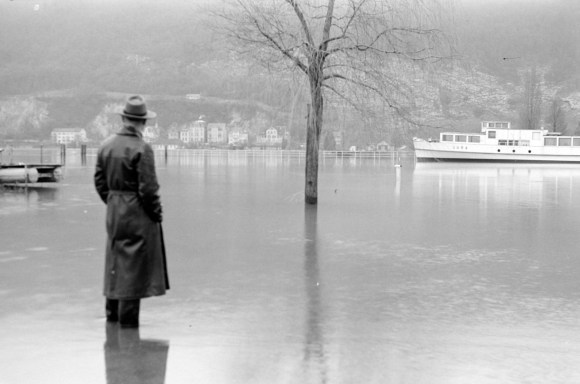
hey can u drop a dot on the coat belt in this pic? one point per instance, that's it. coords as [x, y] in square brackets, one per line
[119, 192]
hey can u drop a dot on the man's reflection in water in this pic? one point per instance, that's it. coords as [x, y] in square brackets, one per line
[128, 359]
[314, 353]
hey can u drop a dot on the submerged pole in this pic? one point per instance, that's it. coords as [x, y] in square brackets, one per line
[62, 153]
[83, 154]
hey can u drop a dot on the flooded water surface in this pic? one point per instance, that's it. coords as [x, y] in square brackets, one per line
[428, 273]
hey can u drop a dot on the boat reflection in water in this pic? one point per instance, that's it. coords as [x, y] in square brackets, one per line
[511, 205]
[520, 183]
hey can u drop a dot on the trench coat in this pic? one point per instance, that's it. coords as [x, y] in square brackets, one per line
[126, 181]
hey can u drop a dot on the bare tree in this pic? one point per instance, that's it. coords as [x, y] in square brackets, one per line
[355, 51]
[556, 116]
[531, 109]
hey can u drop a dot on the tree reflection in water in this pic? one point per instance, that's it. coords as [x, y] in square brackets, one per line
[314, 355]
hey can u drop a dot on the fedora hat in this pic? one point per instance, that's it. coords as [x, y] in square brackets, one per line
[137, 109]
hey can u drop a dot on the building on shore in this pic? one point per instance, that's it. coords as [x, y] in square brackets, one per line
[68, 136]
[238, 138]
[217, 134]
[195, 133]
[273, 138]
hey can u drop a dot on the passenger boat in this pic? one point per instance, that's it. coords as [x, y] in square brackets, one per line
[497, 142]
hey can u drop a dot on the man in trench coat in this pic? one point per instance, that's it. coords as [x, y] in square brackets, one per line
[125, 179]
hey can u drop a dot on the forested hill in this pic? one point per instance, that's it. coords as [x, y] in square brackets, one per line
[65, 62]
[503, 36]
[145, 46]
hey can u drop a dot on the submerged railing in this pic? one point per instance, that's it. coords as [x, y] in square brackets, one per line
[293, 153]
[79, 155]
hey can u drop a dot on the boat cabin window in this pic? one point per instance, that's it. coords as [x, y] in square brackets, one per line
[474, 139]
[495, 124]
[447, 138]
[525, 143]
[576, 141]
[502, 142]
[550, 141]
[461, 138]
[564, 141]
[491, 134]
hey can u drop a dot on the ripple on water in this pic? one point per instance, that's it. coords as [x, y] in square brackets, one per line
[37, 249]
[11, 259]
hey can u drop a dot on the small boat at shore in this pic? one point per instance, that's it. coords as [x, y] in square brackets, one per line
[30, 173]
[18, 175]
[497, 142]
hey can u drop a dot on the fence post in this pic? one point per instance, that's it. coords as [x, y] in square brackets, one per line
[63, 154]
[83, 154]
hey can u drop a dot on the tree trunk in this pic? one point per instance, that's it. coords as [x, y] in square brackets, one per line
[313, 142]
[311, 171]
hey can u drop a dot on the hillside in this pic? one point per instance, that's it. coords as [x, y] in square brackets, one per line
[70, 63]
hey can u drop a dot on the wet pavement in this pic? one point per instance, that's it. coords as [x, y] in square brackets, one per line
[420, 274]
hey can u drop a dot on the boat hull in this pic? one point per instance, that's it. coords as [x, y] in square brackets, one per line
[426, 151]
[18, 175]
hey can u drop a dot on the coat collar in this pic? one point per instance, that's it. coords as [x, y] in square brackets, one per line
[128, 130]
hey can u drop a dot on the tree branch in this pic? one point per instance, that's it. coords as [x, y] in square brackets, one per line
[300, 16]
[276, 45]
[327, 25]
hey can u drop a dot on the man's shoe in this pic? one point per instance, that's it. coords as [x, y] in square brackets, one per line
[129, 313]
[112, 310]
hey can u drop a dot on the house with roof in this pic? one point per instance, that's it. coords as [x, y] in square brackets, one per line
[238, 137]
[68, 135]
[338, 140]
[272, 138]
[383, 146]
[195, 133]
[151, 133]
[173, 132]
[217, 134]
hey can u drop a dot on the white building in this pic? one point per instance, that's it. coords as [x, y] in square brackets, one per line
[238, 137]
[195, 133]
[271, 138]
[217, 133]
[68, 135]
[383, 146]
[173, 132]
[150, 133]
